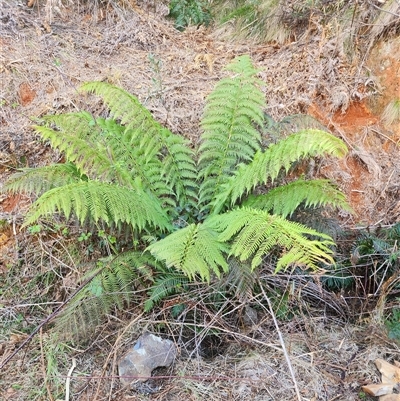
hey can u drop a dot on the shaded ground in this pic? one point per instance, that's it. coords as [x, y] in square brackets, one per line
[42, 66]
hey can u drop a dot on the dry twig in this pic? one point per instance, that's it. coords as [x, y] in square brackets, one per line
[296, 387]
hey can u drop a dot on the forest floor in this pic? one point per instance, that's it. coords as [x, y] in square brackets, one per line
[43, 61]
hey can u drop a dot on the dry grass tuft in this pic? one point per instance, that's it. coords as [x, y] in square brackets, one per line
[391, 114]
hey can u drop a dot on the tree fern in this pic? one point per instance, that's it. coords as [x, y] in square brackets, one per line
[129, 170]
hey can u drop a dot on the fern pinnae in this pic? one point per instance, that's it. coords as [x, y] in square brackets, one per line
[240, 279]
[172, 150]
[124, 147]
[81, 124]
[266, 165]
[100, 201]
[285, 199]
[131, 113]
[308, 143]
[229, 134]
[193, 250]
[122, 105]
[91, 160]
[41, 179]
[180, 168]
[88, 143]
[255, 233]
[113, 283]
[167, 284]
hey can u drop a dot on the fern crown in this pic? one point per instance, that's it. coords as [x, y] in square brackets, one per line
[199, 207]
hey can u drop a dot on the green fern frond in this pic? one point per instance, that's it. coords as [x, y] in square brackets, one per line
[88, 143]
[123, 147]
[41, 179]
[126, 108]
[173, 150]
[256, 233]
[232, 111]
[94, 201]
[112, 286]
[285, 199]
[194, 250]
[166, 285]
[87, 309]
[90, 158]
[242, 65]
[107, 150]
[240, 279]
[81, 124]
[267, 165]
[180, 169]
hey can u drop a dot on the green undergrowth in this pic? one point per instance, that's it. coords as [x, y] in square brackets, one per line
[374, 259]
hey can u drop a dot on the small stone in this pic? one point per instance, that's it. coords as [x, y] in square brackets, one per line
[378, 389]
[250, 317]
[390, 397]
[148, 353]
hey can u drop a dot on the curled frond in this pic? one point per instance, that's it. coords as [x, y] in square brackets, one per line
[194, 250]
[255, 233]
[267, 165]
[285, 199]
[94, 201]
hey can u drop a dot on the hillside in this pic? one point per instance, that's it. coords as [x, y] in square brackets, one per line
[48, 49]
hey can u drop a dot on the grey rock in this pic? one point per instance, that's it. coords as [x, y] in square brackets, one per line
[148, 353]
[250, 317]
